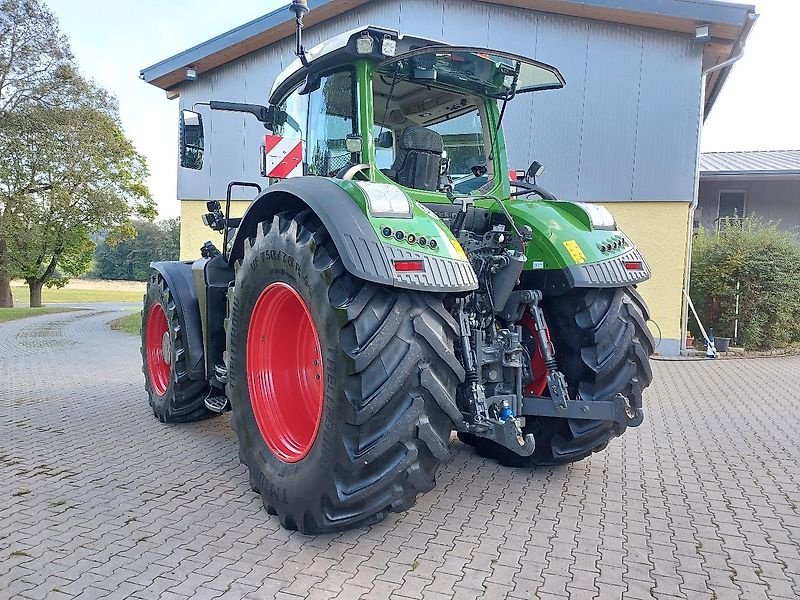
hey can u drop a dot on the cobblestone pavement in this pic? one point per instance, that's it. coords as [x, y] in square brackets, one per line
[98, 499]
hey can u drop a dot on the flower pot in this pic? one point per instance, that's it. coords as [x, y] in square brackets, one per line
[722, 344]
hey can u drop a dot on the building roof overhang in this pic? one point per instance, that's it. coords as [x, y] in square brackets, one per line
[729, 24]
[756, 164]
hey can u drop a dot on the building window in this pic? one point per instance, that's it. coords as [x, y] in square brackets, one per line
[732, 207]
[732, 204]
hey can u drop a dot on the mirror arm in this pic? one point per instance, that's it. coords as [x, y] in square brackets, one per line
[262, 113]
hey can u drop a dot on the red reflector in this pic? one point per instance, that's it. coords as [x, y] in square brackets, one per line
[633, 265]
[405, 266]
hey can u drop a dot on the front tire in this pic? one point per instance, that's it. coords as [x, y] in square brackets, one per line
[173, 396]
[387, 379]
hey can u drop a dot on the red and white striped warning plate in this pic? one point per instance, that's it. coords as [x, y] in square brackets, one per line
[283, 157]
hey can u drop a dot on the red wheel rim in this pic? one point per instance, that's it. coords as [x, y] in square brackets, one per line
[538, 383]
[158, 349]
[285, 374]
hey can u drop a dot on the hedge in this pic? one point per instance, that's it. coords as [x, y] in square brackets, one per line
[766, 263]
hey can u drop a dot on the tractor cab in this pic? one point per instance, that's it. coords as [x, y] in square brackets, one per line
[373, 105]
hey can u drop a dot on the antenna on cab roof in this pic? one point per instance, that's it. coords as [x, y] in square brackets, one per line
[300, 9]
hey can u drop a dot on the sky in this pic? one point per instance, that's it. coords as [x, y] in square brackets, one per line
[113, 41]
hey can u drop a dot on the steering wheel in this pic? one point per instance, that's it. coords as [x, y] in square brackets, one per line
[525, 188]
[349, 171]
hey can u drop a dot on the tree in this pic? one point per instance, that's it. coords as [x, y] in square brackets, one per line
[81, 175]
[130, 258]
[36, 69]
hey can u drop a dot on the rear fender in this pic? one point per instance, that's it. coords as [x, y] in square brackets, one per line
[178, 276]
[363, 254]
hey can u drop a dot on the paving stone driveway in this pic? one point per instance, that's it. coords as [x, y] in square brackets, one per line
[98, 499]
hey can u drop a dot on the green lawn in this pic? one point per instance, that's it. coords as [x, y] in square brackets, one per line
[128, 324]
[78, 295]
[10, 314]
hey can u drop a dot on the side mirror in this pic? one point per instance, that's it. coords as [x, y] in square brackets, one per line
[479, 170]
[535, 170]
[191, 140]
[385, 140]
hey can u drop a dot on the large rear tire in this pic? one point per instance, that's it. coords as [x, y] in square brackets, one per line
[371, 434]
[173, 396]
[602, 347]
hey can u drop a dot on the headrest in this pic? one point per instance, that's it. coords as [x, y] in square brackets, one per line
[420, 139]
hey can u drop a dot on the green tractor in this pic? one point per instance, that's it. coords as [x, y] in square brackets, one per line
[404, 285]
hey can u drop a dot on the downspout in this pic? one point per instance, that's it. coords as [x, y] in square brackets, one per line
[751, 19]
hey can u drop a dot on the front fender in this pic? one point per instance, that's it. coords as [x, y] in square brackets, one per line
[364, 254]
[567, 252]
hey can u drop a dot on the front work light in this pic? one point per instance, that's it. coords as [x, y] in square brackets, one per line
[598, 215]
[385, 200]
[389, 46]
[364, 44]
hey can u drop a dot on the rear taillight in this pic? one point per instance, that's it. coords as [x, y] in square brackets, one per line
[633, 265]
[409, 266]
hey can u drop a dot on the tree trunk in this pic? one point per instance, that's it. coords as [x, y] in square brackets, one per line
[35, 287]
[6, 299]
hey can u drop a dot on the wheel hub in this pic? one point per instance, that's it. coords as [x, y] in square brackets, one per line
[158, 349]
[166, 345]
[285, 373]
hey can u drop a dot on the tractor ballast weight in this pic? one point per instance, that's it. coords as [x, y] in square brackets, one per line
[398, 288]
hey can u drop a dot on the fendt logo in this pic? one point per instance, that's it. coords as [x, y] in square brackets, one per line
[281, 157]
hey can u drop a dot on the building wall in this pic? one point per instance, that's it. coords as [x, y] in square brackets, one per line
[624, 131]
[772, 199]
[661, 231]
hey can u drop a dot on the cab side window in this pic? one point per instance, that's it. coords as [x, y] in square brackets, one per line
[331, 119]
[291, 118]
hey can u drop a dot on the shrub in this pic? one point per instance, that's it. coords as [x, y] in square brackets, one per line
[766, 263]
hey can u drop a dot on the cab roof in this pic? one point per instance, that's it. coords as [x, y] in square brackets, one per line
[386, 45]
[339, 49]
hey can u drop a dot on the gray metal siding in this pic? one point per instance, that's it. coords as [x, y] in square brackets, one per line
[772, 199]
[624, 128]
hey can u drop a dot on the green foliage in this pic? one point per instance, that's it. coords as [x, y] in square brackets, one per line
[766, 263]
[131, 324]
[67, 169]
[122, 256]
[35, 58]
[67, 172]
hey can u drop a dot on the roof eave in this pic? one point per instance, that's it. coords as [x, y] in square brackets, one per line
[722, 76]
[277, 25]
[772, 174]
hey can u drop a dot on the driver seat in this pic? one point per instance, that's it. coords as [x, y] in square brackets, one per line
[419, 155]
